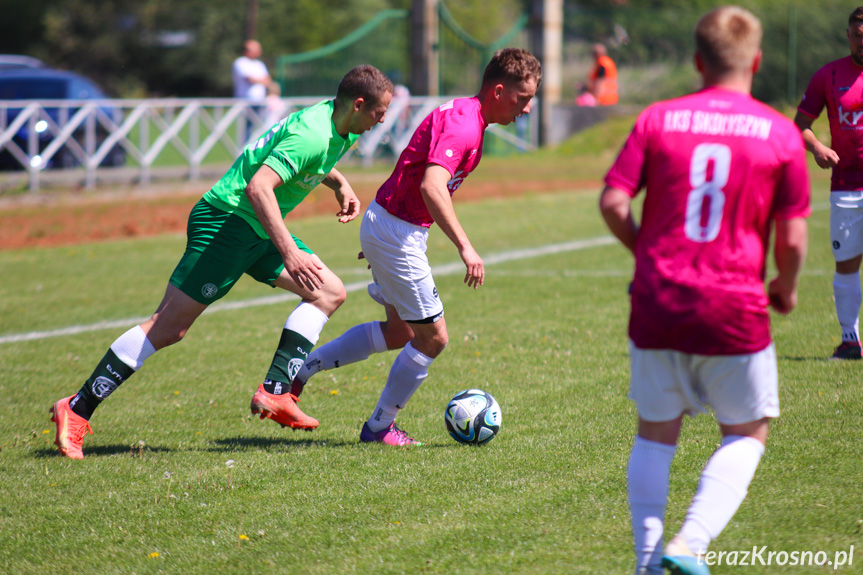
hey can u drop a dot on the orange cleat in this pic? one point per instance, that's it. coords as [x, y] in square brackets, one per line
[71, 429]
[282, 409]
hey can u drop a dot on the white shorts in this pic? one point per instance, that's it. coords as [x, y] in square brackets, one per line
[396, 250]
[740, 388]
[846, 225]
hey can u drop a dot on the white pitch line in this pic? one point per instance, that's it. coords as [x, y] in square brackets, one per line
[442, 270]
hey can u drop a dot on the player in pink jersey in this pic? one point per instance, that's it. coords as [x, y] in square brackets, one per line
[719, 169]
[838, 86]
[445, 148]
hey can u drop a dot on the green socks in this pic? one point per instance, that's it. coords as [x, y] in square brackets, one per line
[107, 376]
[290, 356]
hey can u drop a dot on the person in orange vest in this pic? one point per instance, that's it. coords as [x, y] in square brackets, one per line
[602, 81]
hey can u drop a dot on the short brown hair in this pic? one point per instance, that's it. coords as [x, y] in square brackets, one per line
[365, 82]
[856, 17]
[728, 39]
[512, 66]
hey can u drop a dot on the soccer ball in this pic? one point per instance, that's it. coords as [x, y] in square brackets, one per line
[472, 416]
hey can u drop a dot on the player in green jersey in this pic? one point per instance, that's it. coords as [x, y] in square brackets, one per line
[238, 227]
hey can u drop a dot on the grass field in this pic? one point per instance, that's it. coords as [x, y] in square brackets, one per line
[180, 478]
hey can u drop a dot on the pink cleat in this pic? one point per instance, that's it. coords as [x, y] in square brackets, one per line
[391, 435]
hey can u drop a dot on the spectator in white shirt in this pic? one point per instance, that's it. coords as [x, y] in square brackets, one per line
[250, 74]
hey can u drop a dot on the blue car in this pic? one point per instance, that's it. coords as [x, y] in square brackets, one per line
[49, 84]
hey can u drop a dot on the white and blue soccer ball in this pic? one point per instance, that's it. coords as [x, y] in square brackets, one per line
[473, 416]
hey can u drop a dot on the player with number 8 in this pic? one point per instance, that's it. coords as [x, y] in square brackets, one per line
[719, 170]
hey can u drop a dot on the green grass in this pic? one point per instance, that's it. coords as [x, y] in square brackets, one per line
[545, 335]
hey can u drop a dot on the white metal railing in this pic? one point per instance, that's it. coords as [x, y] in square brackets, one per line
[97, 137]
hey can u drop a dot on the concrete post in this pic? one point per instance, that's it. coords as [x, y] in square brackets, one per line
[425, 79]
[547, 45]
[251, 20]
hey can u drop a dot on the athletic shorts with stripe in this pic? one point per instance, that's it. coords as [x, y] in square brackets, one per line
[740, 388]
[846, 224]
[396, 251]
[220, 248]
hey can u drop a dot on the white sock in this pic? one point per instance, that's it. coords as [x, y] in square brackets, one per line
[133, 348]
[356, 344]
[724, 483]
[647, 488]
[407, 373]
[308, 321]
[848, 296]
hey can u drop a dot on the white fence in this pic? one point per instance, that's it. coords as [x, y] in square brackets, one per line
[88, 140]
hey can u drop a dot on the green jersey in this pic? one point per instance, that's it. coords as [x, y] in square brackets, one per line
[301, 149]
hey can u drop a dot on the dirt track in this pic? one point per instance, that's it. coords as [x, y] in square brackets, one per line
[71, 218]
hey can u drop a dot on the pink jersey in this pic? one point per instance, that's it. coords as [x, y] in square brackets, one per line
[718, 166]
[451, 136]
[839, 87]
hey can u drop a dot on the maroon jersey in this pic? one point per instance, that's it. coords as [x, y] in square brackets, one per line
[838, 86]
[451, 136]
[718, 167]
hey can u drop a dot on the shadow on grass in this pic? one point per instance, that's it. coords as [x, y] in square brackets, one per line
[239, 443]
[263, 443]
[818, 358]
[106, 450]
[230, 444]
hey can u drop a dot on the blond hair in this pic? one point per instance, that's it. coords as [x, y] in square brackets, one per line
[728, 39]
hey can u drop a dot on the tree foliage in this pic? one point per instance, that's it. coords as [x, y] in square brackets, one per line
[798, 37]
[186, 47]
[179, 48]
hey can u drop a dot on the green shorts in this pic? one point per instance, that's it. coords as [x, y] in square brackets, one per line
[220, 248]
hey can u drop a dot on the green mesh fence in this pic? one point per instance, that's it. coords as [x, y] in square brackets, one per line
[463, 58]
[384, 43]
[381, 42]
[653, 45]
[462, 62]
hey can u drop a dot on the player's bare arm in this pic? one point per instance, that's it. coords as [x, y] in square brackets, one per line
[439, 203]
[616, 208]
[345, 196]
[304, 269]
[825, 157]
[789, 253]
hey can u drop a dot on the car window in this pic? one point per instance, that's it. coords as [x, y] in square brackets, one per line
[31, 89]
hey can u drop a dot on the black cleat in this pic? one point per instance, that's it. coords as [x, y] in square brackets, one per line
[847, 350]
